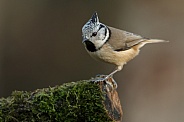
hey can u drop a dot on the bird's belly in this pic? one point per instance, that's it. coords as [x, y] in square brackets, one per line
[118, 58]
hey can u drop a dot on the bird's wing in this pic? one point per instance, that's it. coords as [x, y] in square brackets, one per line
[121, 40]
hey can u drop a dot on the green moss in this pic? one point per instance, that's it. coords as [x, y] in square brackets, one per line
[72, 102]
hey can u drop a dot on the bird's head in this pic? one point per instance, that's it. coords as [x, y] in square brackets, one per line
[95, 34]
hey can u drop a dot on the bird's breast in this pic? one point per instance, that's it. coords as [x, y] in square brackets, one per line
[108, 55]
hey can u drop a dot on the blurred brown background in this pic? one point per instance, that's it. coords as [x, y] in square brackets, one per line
[40, 46]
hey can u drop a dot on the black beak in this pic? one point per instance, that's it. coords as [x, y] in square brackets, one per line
[84, 40]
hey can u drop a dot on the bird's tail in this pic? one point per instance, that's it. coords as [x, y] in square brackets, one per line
[146, 41]
[155, 41]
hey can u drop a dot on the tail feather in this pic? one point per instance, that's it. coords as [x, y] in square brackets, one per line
[155, 41]
[150, 41]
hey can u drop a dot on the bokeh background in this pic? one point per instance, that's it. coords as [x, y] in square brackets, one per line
[40, 46]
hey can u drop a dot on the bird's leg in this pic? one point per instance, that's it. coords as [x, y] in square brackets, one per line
[105, 78]
[111, 74]
[113, 84]
[118, 68]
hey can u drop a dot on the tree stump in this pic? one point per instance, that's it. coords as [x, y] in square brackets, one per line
[81, 101]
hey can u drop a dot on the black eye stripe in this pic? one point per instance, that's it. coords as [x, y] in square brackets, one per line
[101, 26]
[105, 31]
[94, 33]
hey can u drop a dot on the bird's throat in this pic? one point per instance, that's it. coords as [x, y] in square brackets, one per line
[90, 46]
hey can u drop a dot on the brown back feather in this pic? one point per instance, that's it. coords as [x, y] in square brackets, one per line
[121, 40]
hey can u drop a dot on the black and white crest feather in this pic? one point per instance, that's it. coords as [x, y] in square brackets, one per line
[95, 32]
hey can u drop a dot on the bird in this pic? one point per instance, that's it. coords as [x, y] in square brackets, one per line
[112, 45]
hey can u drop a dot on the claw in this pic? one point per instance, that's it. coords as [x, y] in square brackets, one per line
[110, 83]
[100, 76]
[97, 80]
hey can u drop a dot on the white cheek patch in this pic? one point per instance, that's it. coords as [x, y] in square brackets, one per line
[104, 34]
[101, 36]
[98, 43]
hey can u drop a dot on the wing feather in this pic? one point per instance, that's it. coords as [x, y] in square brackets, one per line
[123, 40]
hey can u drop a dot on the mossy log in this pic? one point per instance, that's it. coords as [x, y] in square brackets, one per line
[81, 101]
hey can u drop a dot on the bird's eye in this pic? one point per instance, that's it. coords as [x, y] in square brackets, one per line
[94, 33]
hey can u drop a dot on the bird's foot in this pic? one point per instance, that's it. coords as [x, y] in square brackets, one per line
[110, 83]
